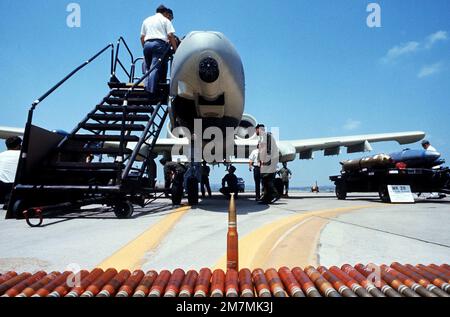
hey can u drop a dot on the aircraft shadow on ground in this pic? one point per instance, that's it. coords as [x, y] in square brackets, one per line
[375, 199]
[105, 213]
[312, 196]
[434, 201]
[245, 204]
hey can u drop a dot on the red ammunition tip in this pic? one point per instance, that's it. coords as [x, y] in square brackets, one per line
[386, 274]
[290, 282]
[47, 289]
[371, 288]
[382, 285]
[98, 284]
[7, 276]
[431, 277]
[18, 288]
[325, 287]
[78, 290]
[422, 281]
[110, 289]
[446, 267]
[130, 284]
[349, 282]
[245, 283]
[442, 270]
[13, 281]
[63, 289]
[307, 285]
[336, 282]
[203, 283]
[147, 282]
[173, 287]
[218, 283]
[188, 285]
[418, 283]
[275, 283]
[160, 284]
[30, 290]
[261, 283]
[232, 284]
[434, 272]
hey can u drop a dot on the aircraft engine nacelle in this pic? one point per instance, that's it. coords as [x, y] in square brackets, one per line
[287, 152]
[246, 128]
[181, 132]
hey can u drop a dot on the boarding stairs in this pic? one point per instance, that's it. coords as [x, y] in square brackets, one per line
[107, 159]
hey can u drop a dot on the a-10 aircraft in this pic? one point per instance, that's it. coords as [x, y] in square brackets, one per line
[208, 84]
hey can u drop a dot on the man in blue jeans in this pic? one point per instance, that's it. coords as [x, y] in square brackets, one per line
[157, 35]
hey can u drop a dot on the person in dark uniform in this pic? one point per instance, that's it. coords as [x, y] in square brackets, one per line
[172, 170]
[285, 174]
[230, 183]
[206, 170]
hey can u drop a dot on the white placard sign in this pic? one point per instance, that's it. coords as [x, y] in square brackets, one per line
[400, 194]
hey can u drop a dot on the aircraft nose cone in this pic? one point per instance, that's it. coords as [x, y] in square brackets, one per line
[209, 70]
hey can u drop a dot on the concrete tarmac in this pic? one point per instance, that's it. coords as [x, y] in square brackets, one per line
[307, 229]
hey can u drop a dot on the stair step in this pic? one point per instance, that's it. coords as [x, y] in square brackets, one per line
[103, 138]
[86, 166]
[131, 101]
[134, 109]
[113, 85]
[107, 151]
[113, 127]
[138, 93]
[102, 172]
[118, 117]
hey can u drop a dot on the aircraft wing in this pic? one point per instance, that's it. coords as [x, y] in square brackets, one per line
[288, 149]
[7, 132]
[333, 146]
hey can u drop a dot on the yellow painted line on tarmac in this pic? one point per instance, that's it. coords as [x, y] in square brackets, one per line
[261, 248]
[132, 255]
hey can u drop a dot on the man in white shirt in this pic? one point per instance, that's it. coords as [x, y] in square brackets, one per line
[8, 166]
[255, 166]
[157, 35]
[269, 158]
[427, 146]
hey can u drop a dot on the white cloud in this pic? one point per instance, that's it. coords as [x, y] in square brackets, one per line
[401, 50]
[414, 46]
[352, 125]
[436, 37]
[429, 70]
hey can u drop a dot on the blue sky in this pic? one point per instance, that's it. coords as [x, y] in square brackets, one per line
[313, 68]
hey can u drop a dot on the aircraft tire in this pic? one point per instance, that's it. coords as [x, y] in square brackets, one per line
[18, 208]
[124, 210]
[192, 191]
[177, 194]
[384, 194]
[341, 191]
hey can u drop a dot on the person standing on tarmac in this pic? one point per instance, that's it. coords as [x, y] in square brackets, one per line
[9, 161]
[206, 170]
[157, 35]
[285, 174]
[269, 156]
[255, 166]
[427, 146]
